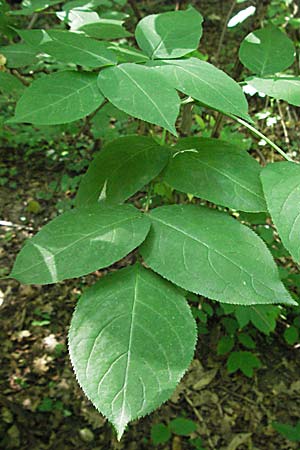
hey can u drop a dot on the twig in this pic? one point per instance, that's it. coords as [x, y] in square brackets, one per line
[262, 136]
[285, 132]
[233, 4]
[135, 9]
[32, 21]
[19, 76]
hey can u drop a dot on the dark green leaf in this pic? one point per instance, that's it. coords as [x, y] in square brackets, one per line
[210, 253]
[291, 335]
[216, 171]
[263, 317]
[122, 167]
[246, 340]
[132, 338]
[288, 431]
[182, 427]
[160, 434]
[246, 362]
[225, 345]
[78, 242]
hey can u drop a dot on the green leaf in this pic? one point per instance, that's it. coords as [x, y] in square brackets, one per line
[18, 55]
[61, 97]
[282, 88]
[267, 51]
[263, 317]
[246, 362]
[77, 49]
[225, 345]
[217, 171]
[160, 434]
[141, 92]
[10, 85]
[182, 427]
[132, 338]
[77, 18]
[171, 34]
[288, 431]
[135, 160]
[33, 6]
[291, 335]
[205, 83]
[210, 253]
[126, 53]
[106, 29]
[281, 184]
[78, 242]
[246, 340]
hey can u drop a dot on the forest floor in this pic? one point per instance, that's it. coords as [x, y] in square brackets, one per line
[41, 405]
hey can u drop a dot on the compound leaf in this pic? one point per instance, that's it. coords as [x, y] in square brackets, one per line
[141, 92]
[267, 51]
[122, 167]
[80, 241]
[132, 338]
[263, 317]
[217, 171]
[281, 184]
[57, 98]
[210, 253]
[244, 361]
[171, 34]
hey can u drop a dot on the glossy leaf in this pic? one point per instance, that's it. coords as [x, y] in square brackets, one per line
[106, 29]
[77, 49]
[205, 83]
[267, 51]
[170, 34]
[78, 242]
[132, 338]
[281, 184]
[141, 92]
[217, 171]
[61, 97]
[120, 169]
[18, 55]
[283, 88]
[210, 253]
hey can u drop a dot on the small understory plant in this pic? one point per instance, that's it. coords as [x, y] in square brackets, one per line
[132, 335]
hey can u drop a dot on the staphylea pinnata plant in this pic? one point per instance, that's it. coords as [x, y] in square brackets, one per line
[132, 335]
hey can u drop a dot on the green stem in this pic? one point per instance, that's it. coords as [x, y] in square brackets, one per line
[262, 136]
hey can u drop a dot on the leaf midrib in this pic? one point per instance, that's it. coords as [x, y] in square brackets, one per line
[148, 96]
[61, 100]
